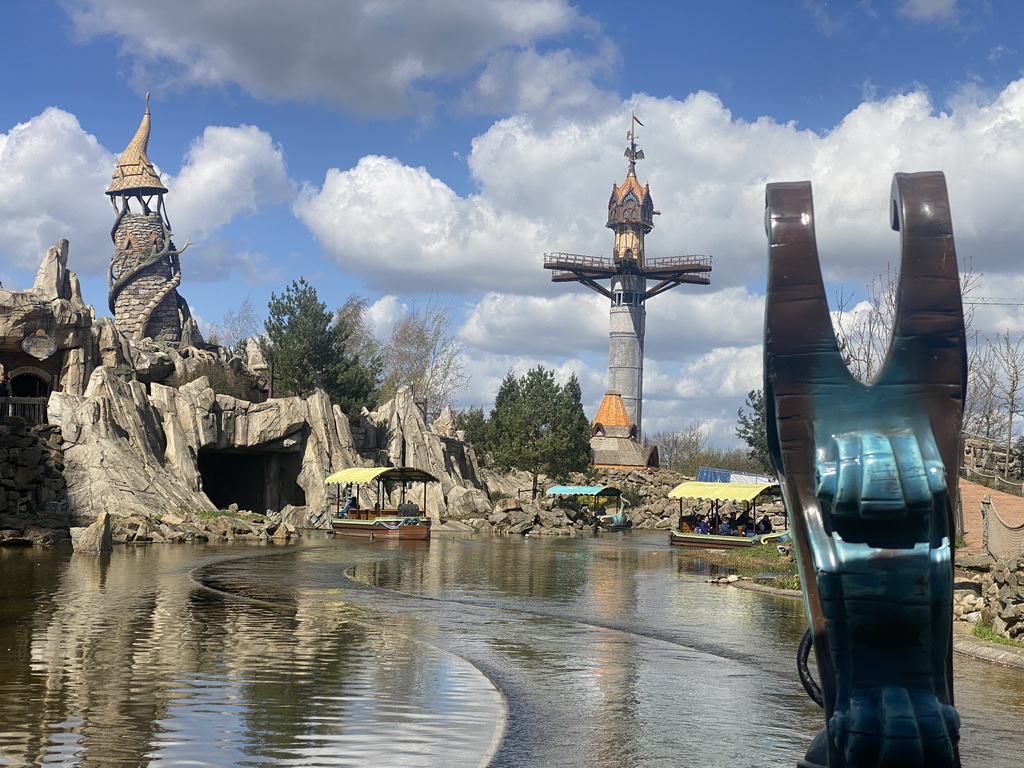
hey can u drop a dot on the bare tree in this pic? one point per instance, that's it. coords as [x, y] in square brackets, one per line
[1008, 358]
[864, 330]
[236, 326]
[983, 415]
[424, 353]
[689, 450]
[361, 341]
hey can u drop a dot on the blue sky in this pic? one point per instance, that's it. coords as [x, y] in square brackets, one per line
[411, 150]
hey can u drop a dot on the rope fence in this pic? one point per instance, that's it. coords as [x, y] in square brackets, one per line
[1002, 540]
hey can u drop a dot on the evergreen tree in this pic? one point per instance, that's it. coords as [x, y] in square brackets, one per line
[309, 352]
[573, 428]
[473, 422]
[753, 430]
[539, 427]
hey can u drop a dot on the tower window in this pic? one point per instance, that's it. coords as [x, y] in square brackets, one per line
[625, 299]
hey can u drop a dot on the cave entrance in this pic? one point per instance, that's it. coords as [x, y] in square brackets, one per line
[254, 480]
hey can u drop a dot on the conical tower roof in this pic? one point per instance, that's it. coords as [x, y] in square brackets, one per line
[135, 174]
[612, 411]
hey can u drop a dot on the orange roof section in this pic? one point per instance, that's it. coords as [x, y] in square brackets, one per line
[612, 411]
[630, 185]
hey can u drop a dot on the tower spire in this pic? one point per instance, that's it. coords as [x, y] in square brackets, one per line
[145, 270]
[135, 174]
[632, 153]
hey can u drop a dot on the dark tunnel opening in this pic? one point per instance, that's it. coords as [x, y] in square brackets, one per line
[255, 481]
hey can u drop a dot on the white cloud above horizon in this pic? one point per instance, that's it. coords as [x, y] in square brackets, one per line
[541, 91]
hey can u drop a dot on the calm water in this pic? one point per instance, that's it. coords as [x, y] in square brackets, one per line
[509, 652]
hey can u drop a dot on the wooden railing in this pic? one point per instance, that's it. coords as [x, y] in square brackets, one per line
[31, 409]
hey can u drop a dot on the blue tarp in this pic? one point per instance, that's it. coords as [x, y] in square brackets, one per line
[709, 475]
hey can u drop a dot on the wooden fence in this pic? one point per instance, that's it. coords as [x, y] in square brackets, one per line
[31, 409]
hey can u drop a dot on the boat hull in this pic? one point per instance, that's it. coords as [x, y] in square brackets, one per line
[710, 540]
[404, 528]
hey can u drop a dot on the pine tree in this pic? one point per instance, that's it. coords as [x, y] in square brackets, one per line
[539, 427]
[753, 430]
[308, 352]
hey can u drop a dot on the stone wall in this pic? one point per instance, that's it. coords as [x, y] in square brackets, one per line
[991, 592]
[33, 494]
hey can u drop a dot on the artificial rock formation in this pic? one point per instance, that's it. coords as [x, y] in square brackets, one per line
[46, 332]
[397, 434]
[185, 450]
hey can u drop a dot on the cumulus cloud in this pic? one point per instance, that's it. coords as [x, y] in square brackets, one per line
[52, 181]
[545, 188]
[520, 325]
[373, 57]
[227, 172]
[405, 230]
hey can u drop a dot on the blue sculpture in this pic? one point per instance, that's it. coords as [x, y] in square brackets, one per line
[868, 473]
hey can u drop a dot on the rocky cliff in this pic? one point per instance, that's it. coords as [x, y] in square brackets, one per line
[133, 451]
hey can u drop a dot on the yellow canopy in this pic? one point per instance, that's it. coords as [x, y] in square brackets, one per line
[366, 474]
[722, 491]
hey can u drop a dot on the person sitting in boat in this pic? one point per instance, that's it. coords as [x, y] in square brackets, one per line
[764, 525]
[702, 525]
[348, 507]
[725, 529]
[409, 509]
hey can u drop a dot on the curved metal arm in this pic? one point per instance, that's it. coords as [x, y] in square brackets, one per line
[864, 471]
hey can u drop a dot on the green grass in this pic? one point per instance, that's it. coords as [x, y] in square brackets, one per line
[749, 561]
[985, 632]
[785, 582]
[209, 514]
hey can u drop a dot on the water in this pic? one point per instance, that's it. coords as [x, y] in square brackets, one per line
[471, 651]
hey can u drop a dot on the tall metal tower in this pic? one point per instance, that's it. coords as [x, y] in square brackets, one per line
[631, 216]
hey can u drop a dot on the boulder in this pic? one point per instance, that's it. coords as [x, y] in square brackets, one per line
[96, 538]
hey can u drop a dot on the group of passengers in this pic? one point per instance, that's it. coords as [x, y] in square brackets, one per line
[715, 523]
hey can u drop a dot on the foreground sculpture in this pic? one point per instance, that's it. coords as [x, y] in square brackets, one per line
[868, 473]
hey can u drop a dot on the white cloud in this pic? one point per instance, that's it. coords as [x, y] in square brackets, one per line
[227, 172]
[52, 181]
[930, 10]
[374, 57]
[544, 187]
[523, 325]
[405, 230]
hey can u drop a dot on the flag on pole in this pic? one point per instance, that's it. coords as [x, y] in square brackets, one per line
[635, 120]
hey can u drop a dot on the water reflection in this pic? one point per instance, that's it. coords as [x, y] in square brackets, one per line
[606, 652]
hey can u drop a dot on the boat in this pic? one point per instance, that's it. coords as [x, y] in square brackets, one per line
[407, 521]
[718, 541]
[595, 499]
[719, 492]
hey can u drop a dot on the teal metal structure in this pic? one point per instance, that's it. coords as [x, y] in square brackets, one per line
[868, 474]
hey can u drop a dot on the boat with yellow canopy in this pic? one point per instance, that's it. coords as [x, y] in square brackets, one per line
[407, 521]
[719, 492]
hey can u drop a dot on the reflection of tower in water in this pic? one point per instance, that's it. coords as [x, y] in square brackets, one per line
[629, 272]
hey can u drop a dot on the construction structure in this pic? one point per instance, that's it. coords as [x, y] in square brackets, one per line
[145, 270]
[631, 217]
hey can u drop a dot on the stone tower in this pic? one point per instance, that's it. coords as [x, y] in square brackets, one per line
[631, 217]
[145, 271]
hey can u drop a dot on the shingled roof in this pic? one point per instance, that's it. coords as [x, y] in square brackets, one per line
[135, 174]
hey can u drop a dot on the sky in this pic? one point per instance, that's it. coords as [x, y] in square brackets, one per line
[415, 151]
